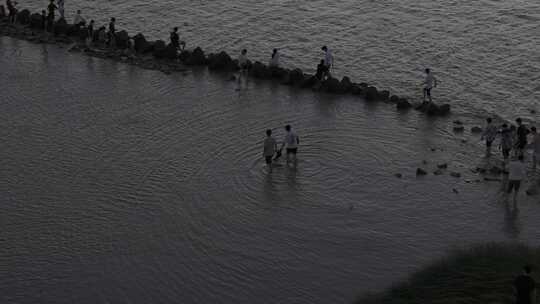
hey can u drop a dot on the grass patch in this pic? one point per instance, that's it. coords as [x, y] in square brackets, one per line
[483, 274]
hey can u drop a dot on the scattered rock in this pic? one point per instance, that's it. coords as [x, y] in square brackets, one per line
[476, 130]
[394, 99]
[296, 77]
[36, 21]
[167, 52]
[331, 85]
[491, 179]
[455, 191]
[458, 122]
[432, 109]
[420, 171]
[442, 166]
[221, 61]
[384, 95]
[455, 174]
[346, 85]
[398, 175]
[357, 89]
[459, 129]
[532, 111]
[424, 162]
[438, 172]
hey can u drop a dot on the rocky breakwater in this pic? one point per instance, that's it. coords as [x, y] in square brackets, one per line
[159, 55]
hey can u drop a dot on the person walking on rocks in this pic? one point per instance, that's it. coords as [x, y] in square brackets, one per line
[521, 133]
[507, 141]
[429, 83]
[12, 11]
[79, 19]
[328, 61]
[274, 60]
[50, 17]
[536, 147]
[175, 39]
[61, 8]
[525, 287]
[490, 133]
[291, 141]
[517, 172]
[270, 148]
[112, 32]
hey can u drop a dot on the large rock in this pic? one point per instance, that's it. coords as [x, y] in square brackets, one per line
[259, 70]
[221, 61]
[277, 72]
[167, 52]
[384, 95]
[36, 21]
[197, 57]
[403, 104]
[23, 17]
[331, 85]
[394, 99]
[122, 40]
[309, 81]
[141, 44]
[371, 93]
[357, 89]
[432, 109]
[346, 85]
[296, 77]
[61, 27]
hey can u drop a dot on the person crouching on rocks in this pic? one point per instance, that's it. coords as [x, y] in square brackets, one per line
[274, 60]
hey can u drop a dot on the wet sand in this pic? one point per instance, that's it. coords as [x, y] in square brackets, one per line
[128, 185]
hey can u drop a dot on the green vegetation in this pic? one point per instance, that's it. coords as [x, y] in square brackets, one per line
[483, 274]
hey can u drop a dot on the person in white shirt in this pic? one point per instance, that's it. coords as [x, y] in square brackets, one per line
[429, 83]
[61, 8]
[79, 20]
[490, 133]
[536, 147]
[270, 148]
[328, 60]
[517, 172]
[292, 141]
[274, 60]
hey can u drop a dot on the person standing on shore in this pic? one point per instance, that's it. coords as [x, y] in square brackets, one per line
[112, 32]
[525, 287]
[61, 9]
[522, 133]
[506, 141]
[12, 11]
[429, 83]
[291, 141]
[270, 148]
[328, 61]
[50, 17]
[490, 132]
[536, 147]
[274, 60]
[79, 20]
[517, 172]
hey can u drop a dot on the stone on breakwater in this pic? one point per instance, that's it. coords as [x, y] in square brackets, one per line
[331, 85]
[36, 21]
[259, 70]
[122, 40]
[141, 45]
[197, 57]
[309, 81]
[346, 85]
[434, 110]
[384, 95]
[476, 130]
[403, 104]
[295, 77]
[23, 17]
[420, 171]
[357, 89]
[278, 72]
[220, 61]
[371, 93]
[61, 27]
[163, 51]
[394, 99]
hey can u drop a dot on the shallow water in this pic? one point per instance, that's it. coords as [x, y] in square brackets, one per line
[485, 53]
[123, 185]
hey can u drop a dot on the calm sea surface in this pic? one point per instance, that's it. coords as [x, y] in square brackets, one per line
[122, 185]
[486, 53]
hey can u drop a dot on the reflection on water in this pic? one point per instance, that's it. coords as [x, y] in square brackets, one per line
[126, 185]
